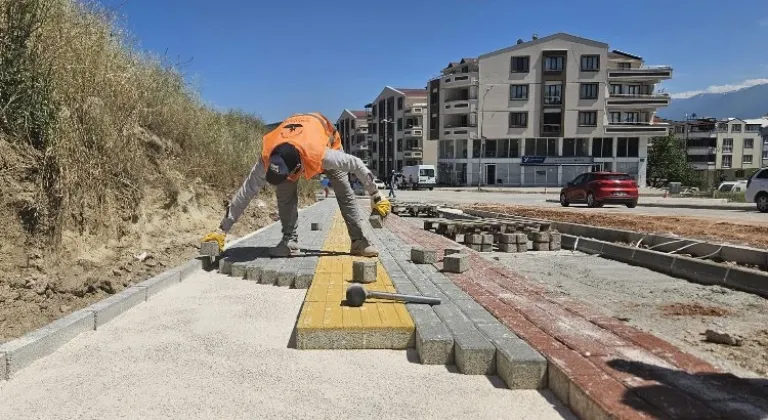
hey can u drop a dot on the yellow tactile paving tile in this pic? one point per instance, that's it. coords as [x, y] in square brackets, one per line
[325, 322]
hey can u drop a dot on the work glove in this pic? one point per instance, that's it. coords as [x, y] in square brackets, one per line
[380, 204]
[219, 236]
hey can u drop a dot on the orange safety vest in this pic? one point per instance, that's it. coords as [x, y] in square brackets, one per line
[311, 134]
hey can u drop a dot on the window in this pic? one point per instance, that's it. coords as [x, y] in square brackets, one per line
[399, 104]
[615, 89]
[461, 149]
[602, 147]
[446, 149]
[518, 119]
[736, 128]
[514, 148]
[476, 149]
[753, 128]
[627, 147]
[590, 62]
[579, 179]
[399, 124]
[727, 145]
[632, 117]
[632, 90]
[746, 159]
[490, 149]
[723, 127]
[553, 94]
[625, 66]
[765, 148]
[399, 145]
[614, 117]
[589, 90]
[553, 63]
[541, 147]
[518, 92]
[575, 147]
[749, 143]
[587, 118]
[520, 64]
[502, 148]
[374, 128]
[727, 159]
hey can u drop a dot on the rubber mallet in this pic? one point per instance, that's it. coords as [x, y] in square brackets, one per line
[356, 296]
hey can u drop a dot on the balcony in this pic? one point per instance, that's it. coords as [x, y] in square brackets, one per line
[648, 73]
[550, 130]
[359, 147]
[412, 154]
[460, 80]
[635, 128]
[458, 133]
[703, 165]
[415, 110]
[413, 132]
[700, 151]
[460, 106]
[637, 100]
[553, 100]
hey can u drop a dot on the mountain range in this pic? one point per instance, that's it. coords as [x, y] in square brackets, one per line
[751, 102]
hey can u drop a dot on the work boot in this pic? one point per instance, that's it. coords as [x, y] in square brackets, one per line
[362, 248]
[284, 249]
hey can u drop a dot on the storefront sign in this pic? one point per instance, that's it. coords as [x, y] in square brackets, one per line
[556, 160]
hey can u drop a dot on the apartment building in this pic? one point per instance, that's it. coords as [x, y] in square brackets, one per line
[353, 129]
[396, 127]
[544, 111]
[729, 148]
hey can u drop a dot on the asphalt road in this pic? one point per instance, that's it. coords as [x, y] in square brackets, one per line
[218, 347]
[539, 200]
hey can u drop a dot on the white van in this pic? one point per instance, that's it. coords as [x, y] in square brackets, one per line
[419, 176]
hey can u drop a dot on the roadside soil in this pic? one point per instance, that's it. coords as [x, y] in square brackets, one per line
[39, 285]
[743, 233]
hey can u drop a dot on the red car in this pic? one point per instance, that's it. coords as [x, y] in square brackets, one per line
[598, 188]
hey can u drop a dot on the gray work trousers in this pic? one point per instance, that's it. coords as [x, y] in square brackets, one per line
[288, 206]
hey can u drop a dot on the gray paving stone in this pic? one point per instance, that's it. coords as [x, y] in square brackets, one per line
[107, 309]
[434, 342]
[23, 351]
[238, 270]
[541, 246]
[286, 275]
[225, 265]
[519, 365]
[456, 263]
[420, 255]
[452, 292]
[474, 354]
[210, 249]
[3, 367]
[270, 272]
[456, 250]
[364, 271]
[475, 312]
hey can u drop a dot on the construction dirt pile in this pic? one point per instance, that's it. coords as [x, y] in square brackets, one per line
[754, 234]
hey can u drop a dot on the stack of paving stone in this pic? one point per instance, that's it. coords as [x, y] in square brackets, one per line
[250, 259]
[459, 331]
[414, 209]
[482, 234]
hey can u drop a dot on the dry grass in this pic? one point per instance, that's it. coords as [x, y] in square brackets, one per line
[101, 121]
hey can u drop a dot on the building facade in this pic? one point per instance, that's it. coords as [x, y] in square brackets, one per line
[726, 149]
[544, 111]
[397, 131]
[353, 130]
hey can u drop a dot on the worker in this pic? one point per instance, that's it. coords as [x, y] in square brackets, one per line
[308, 145]
[392, 182]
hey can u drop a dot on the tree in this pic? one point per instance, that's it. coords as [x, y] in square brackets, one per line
[668, 162]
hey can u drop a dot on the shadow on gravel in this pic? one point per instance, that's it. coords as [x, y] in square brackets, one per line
[702, 394]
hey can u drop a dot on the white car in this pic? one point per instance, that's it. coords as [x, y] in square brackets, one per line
[379, 184]
[757, 190]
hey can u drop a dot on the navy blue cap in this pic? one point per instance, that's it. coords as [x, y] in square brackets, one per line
[284, 159]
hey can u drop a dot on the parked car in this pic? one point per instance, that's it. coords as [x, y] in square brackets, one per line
[757, 190]
[732, 186]
[598, 188]
[380, 184]
[416, 177]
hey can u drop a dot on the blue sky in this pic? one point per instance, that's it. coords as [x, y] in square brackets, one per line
[274, 58]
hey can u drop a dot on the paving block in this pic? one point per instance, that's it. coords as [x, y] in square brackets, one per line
[506, 247]
[473, 353]
[210, 248]
[376, 221]
[364, 271]
[160, 282]
[541, 246]
[507, 238]
[475, 312]
[423, 255]
[270, 272]
[225, 265]
[473, 239]
[434, 342]
[539, 237]
[456, 263]
[3, 366]
[23, 351]
[519, 365]
[107, 309]
[522, 247]
[315, 226]
[452, 292]
[253, 271]
[286, 275]
[487, 239]
[238, 270]
[521, 238]
[486, 248]
[475, 247]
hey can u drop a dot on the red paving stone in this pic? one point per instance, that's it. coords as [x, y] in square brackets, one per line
[603, 367]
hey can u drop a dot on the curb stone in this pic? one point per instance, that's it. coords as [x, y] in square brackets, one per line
[111, 307]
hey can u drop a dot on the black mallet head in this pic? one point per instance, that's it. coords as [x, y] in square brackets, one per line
[356, 295]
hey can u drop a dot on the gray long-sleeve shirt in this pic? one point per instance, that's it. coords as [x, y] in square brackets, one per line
[333, 159]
